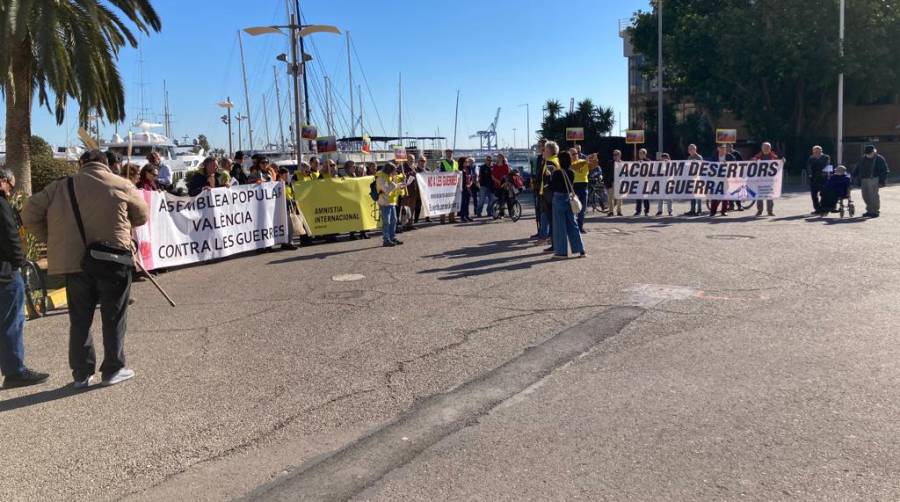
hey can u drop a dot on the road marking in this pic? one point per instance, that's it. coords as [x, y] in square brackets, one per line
[363, 463]
[347, 277]
[651, 295]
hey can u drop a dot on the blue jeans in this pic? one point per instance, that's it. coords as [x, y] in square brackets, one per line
[389, 223]
[486, 201]
[565, 226]
[697, 206]
[464, 206]
[476, 196]
[12, 326]
[582, 196]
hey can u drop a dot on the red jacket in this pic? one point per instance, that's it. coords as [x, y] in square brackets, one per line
[762, 156]
[499, 172]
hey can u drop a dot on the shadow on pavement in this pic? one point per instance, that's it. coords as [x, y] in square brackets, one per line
[321, 256]
[43, 397]
[486, 249]
[462, 274]
[484, 266]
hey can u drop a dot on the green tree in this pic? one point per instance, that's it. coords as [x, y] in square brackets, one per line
[774, 63]
[596, 121]
[63, 49]
[204, 143]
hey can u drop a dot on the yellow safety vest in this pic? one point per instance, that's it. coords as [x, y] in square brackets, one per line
[446, 166]
[554, 161]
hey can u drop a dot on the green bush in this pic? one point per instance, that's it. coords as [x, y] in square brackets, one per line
[46, 169]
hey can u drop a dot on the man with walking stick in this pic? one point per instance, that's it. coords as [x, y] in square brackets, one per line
[86, 220]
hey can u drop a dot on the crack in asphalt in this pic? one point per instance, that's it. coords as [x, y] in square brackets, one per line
[364, 462]
[249, 443]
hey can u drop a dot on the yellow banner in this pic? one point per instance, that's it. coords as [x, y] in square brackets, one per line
[337, 205]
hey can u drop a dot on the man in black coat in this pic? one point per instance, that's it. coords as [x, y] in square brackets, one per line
[815, 166]
[12, 295]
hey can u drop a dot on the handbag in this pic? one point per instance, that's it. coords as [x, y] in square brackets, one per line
[299, 227]
[102, 259]
[574, 203]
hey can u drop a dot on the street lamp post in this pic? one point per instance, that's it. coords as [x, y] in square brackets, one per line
[659, 78]
[227, 104]
[527, 125]
[296, 31]
[840, 111]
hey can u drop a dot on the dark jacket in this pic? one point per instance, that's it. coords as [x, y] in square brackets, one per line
[200, 180]
[874, 168]
[237, 172]
[815, 166]
[608, 174]
[10, 245]
[484, 176]
[715, 157]
[558, 183]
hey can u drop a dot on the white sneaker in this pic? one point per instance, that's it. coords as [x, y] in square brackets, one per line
[118, 377]
[83, 383]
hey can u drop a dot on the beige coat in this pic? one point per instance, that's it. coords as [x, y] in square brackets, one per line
[109, 204]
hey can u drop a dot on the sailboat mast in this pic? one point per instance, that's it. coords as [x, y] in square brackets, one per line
[166, 119]
[266, 122]
[246, 92]
[350, 76]
[362, 126]
[278, 105]
[400, 107]
[328, 107]
[455, 119]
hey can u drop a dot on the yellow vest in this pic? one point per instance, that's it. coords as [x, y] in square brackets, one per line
[449, 166]
[554, 162]
[582, 170]
[301, 177]
[392, 197]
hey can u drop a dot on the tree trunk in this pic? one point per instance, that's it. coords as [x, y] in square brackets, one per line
[18, 124]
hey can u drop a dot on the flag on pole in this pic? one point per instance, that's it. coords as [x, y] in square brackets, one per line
[366, 144]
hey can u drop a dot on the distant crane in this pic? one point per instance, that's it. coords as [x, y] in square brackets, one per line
[489, 136]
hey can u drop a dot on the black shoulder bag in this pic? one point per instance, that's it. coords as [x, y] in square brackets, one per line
[102, 260]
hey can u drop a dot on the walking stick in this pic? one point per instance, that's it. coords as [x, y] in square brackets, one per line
[153, 281]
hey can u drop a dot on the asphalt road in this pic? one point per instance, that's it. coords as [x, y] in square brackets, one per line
[684, 359]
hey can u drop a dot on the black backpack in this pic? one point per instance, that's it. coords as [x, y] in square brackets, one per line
[373, 190]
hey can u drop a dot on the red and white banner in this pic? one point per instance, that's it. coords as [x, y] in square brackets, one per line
[215, 224]
[441, 193]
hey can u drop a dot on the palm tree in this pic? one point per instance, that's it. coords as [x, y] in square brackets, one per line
[63, 49]
[553, 108]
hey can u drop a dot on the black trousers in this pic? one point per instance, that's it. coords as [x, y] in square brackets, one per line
[815, 192]
[537, 210]
[84, 292]
[641, 204]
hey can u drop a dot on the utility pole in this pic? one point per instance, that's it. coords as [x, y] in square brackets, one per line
[659, 78]
[840, 113]
[295, 67]
[527, 125]
[246, 92]
[350, 76]
[240, 118]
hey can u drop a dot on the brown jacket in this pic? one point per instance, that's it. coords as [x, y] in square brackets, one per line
[110, 205]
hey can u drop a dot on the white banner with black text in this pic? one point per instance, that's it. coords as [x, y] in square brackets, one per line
[441, 193]
[217, 223]
[696, 179]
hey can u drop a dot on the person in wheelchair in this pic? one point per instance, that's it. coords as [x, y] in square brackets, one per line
[837, 187]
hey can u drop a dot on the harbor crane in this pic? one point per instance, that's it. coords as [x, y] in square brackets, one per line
[489, 136]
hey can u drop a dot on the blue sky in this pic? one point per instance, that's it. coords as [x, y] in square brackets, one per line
[498, 53]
